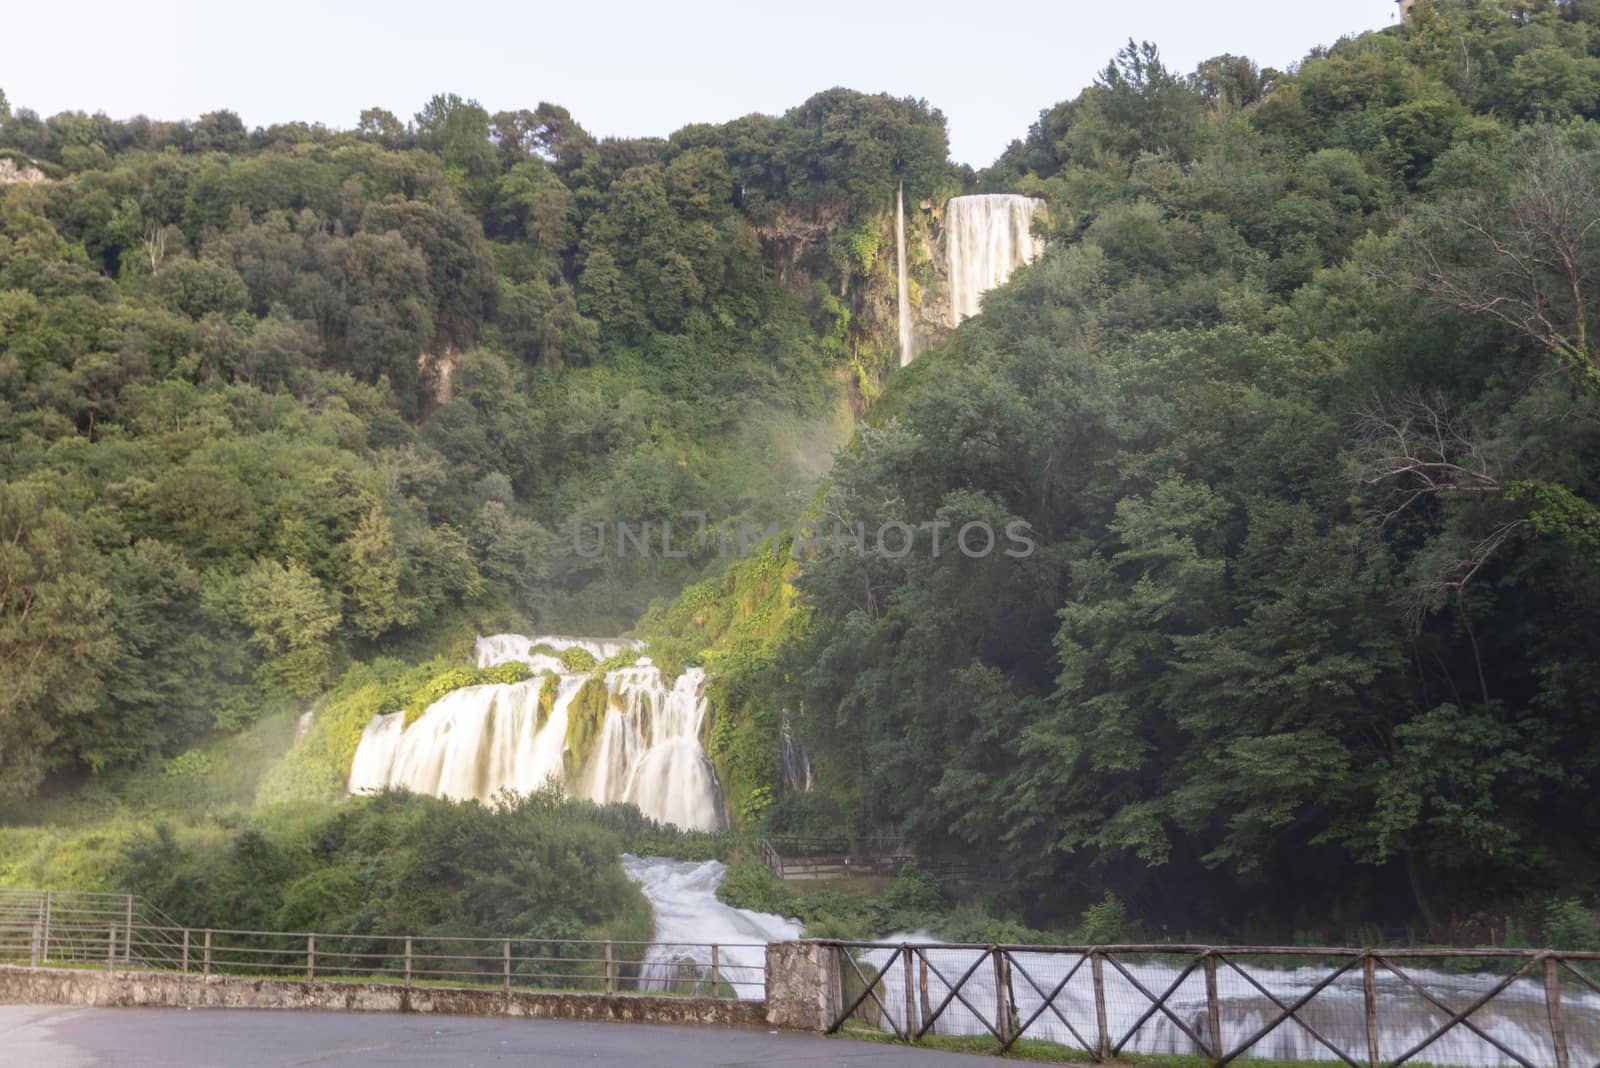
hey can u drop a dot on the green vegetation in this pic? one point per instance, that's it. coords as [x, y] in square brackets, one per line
[1298, 408]
[586, 717]
[275, 402]
[533, 867]
[1300, 637]
[318, 765]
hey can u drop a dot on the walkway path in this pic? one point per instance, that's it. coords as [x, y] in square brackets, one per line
[47, 1036]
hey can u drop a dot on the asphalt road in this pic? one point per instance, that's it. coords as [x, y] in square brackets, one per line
[49, 1036]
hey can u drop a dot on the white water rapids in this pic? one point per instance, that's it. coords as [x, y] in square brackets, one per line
[689, 918]
[987, 238]
[477, 741]
[1517, 1017]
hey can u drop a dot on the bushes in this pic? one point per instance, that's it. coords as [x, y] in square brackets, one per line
[1568, 925]
[912, 902]
[530, 867]
[577, 659]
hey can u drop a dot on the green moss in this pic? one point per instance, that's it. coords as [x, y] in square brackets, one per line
[625, 659]
[548, 690]
[577, 659]
[586, 715]
[436, 688]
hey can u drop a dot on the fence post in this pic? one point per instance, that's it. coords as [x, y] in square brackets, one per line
[1552, 1000]
[1369, 983]
[408, 962]
[207, 965]
[922, 986]
[1002, 995]
[127, 936]
[311, 958]
[44, 950]
[1213, 1006]
[185, 968]
[716, 981]
[111, 948]
[910, 998]
[1097, 962]
[33, 956]
[506, 970]
[611, 981]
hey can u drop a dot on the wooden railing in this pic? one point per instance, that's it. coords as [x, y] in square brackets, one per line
[1368, 1008]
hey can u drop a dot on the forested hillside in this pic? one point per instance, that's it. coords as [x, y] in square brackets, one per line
[1300, 406]
[274, 400]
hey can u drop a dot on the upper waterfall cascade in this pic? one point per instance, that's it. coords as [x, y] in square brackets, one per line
[987, 238]
[479, 740]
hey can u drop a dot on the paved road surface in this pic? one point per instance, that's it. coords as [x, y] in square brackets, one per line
[49, 1036]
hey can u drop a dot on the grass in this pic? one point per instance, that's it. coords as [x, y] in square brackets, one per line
[1038, 1051]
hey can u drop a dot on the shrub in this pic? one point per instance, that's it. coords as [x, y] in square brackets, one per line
[1568, 925]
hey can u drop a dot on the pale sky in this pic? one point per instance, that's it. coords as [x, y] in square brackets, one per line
[627, 67]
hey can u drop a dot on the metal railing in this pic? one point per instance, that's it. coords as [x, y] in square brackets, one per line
[1367, 1008]
[63, 926]
[57, 929]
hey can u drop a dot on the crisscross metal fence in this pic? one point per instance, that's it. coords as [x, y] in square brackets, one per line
[1367, 1008]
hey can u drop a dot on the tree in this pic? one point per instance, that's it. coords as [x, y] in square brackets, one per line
[1522, 251]
[457, 131]
[292, 620]
[374, 578]
[382, 126]
[55, 636]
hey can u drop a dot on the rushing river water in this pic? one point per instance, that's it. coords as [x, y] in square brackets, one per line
[1517, 1017]
[689, 918]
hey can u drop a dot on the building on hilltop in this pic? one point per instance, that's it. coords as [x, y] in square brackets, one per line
[1406, 7]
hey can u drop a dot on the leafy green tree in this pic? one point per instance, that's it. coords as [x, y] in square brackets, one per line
[55, 636]
[291, 618]
[374, 578]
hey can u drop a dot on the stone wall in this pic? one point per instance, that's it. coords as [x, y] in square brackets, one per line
[802, 985]
[62, 986]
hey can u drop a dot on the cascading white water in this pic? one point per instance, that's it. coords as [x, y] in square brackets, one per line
[796, 764]
[480, 740]
[689, 918]
[1517, 1017]
[902, 279]
[987, 238]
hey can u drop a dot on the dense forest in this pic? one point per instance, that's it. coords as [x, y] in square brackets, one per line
[1299, 405]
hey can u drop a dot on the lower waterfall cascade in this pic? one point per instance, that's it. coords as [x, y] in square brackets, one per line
[683, 896]
[479, 740]
[987, 237]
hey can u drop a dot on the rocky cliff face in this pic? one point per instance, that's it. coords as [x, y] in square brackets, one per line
[15, 173]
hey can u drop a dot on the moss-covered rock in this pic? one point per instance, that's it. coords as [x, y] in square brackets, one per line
[447, 682]
[548, 689]
[586, 715]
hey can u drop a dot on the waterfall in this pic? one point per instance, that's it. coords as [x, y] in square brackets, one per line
[796, 764]
[907, 351]
[682, 893]
[986, 239]
[479, 740]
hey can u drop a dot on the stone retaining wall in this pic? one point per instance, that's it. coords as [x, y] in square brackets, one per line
[64, 986]
[802, 986]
